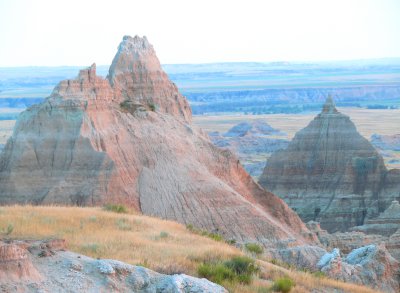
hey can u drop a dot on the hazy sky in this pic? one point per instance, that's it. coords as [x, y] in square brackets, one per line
[79, 32]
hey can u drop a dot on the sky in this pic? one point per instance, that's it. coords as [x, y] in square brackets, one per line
[80, 32]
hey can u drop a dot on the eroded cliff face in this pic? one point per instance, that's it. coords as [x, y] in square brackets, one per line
[96, 141]
[330, 173]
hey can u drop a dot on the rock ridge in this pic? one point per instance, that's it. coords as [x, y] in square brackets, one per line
[331, 174]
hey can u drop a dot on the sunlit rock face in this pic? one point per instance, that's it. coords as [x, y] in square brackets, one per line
[331, 174]
[128, 139]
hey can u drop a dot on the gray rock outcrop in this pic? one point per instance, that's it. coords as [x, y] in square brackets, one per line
[42, 266]
[369, 265]
[331, 174]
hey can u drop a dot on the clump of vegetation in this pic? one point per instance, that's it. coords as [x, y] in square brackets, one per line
[125, 105]
[116, 208]
[152, 107]
[217, 273]
[239, 269]
[123, 224]
[163, 234]
[283, 285]
[213, 236]
[7, 231]
[254, 248]
[319, 274]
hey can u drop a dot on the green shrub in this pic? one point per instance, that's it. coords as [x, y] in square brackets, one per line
[117, 208]
[231, 241]
[215, 236]
[123, 224]
[254, 248]
[190, 227]
[163, 234]
[283, 285]
[242, 264]
[152, 107]
[319, 274]
[9, 229]
[216, 273]
[238, 269]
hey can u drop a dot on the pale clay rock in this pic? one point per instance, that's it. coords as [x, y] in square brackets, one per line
[97, 141]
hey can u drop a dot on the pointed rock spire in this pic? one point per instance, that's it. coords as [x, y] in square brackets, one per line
[137, 76]
[330, 173]
[329, 106]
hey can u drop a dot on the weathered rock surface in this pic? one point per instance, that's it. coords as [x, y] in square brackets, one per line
[331, 174]
[35, 266]
[96, 141]
[250, 141]
[370, 265]
[386, 224]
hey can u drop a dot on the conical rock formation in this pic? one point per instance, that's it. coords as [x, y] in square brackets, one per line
[330, 173]
[128, 139]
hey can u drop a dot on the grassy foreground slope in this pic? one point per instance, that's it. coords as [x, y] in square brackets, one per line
[163, 246]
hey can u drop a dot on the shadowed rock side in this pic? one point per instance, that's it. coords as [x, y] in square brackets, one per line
[44, 266]
[330, 173]
[96, 141]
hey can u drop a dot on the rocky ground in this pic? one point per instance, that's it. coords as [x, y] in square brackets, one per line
[46, 266]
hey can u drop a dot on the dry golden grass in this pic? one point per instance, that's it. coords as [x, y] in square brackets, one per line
[164, 246]
[161, 245]
[306, 282]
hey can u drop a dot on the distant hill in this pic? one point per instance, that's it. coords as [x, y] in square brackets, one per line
[251, 87]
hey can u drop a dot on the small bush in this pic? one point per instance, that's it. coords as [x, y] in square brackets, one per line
[231, 241]
[244, 267]
[117, 208]
[9, 229]
[152, 107]
[215, 236]
[283, 285]
[163, 234]
[254, 248]
[123, 224]
[216, 273]
[239, 269]
[190, 227]
[319, 274]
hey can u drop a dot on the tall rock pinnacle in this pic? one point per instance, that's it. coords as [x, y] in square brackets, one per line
[332, 174]
[137, 75]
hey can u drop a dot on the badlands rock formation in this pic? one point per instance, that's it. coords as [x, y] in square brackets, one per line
[386, 224]
[128, 139]
[371, 265]
[331, 174]
[35, 266]
[250, 141]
